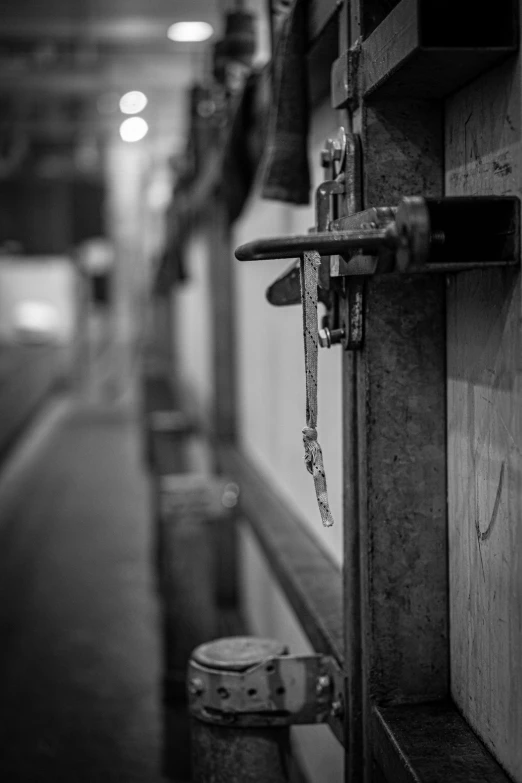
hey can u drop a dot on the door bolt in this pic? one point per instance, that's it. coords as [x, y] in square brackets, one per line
[329, 337]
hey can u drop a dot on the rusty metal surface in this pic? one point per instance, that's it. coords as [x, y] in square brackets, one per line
[343, 83]
[396, 613]
[250, 681]
[251, 755]
[279, 691]
[406, 487]
[354, 318]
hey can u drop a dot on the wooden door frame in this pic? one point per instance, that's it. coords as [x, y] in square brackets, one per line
[402, 723]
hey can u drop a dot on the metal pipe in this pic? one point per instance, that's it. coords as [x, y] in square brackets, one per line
[324, 242]
[223, 750]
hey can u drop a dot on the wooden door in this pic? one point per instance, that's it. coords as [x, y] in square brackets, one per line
[433, 425]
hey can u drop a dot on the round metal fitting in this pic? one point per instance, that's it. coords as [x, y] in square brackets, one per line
[413, 233]
[237, 653]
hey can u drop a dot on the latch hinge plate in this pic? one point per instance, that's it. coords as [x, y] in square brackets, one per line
[283, 690]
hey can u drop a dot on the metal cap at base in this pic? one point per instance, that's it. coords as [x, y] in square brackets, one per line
[237, 653]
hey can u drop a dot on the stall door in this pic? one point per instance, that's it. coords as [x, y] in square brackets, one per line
[433, 428]
[425, 302]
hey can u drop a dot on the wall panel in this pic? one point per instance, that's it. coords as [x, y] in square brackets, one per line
[483, 152]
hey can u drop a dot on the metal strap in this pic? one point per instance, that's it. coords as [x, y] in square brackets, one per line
[310, 263]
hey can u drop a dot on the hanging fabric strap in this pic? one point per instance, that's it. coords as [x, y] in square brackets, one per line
[310, 263]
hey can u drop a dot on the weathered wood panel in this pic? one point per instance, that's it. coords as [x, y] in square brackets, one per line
[435, 744]
[484, 365]
[417, 52]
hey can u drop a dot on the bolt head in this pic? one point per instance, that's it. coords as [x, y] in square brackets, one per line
[324, 338]
[322, 685]
[326, 158]
[195, 686]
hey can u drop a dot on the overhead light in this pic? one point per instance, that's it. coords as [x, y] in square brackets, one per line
[133, 129]
[133, 102]
[190, 31]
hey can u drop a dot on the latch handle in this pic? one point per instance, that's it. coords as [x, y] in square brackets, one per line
[436, 235]
[324, 242]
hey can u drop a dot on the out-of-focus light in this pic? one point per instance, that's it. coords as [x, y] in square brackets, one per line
[159, 193]
[36, 321]
[133, 129]
[190, 31]
[133, 102]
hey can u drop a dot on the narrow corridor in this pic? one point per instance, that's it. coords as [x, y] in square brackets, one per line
[80, 650]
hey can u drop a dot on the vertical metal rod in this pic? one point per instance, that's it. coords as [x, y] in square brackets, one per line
[189, 616]
[226, 755]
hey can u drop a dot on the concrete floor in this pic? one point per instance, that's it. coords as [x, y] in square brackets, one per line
[79, 626]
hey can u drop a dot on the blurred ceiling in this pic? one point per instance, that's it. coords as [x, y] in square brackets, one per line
[80, 45]
[64, 63]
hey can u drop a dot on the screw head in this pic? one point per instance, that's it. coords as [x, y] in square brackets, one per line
[337, 710]
[195, 686]
[323, 683]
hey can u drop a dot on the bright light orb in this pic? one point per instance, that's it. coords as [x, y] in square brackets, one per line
[133, 102]
[133, 129]
[190, 32]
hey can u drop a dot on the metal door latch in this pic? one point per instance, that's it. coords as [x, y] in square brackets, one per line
[418, 236]
[281, 690]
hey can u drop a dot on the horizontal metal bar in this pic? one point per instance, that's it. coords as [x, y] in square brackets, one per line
[324, 242]
[430, 742]
[310, 579]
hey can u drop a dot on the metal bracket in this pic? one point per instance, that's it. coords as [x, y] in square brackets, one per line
[175, 422]
[192, 498]
[335, 156]
[284, 690]
[345, 78]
